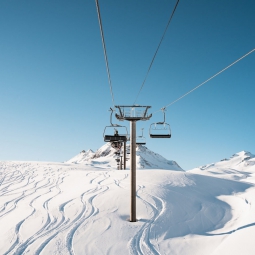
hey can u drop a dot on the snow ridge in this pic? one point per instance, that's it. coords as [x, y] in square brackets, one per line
[145, 158]
[239, 166]
[81, 157]
[151, 160]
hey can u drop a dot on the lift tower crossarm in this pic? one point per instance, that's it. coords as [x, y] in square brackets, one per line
[127, 112]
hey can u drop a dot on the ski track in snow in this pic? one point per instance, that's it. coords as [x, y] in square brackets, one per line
[26, 186]
[32, 194]
[140, 243]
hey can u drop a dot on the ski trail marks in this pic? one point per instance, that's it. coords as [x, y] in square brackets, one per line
[142, 243]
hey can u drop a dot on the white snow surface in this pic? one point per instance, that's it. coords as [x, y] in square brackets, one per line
[83, 156]
[145, 158]
[83, 208]
[241, 166]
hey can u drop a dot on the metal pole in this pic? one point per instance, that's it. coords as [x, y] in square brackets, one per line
[133, 169]
[125, 154]
[120, 162]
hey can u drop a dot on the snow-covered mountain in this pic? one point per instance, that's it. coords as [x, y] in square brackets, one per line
[82, 157]
[150, 160]
[241, 165]
[145, 158]
[83, 208]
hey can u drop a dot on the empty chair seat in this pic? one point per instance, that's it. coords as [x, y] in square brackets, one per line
[160, 130]
[140, 140]
[140, 143]
[160, 136]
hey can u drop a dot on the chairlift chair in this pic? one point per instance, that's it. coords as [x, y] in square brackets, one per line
[115, 128]
[140, 140]
[160, 129]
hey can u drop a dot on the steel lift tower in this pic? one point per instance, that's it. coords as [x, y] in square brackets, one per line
[133, 114]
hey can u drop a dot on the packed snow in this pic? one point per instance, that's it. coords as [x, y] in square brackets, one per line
[82, 206]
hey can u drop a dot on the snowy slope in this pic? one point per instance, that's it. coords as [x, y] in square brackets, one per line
[241, 166]
[145, 158]
[68, 208]
[81, 157]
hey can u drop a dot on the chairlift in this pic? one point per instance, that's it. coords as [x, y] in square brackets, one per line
[160, 129]
[115, 129]
[140, 140]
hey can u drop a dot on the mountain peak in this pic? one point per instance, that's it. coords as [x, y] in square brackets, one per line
[236, 167]
[150, 159]
[81, 157]
[145, 158]
[243, 154]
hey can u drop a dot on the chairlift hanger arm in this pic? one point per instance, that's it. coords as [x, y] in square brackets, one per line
[163, 110]
[113, 125]
[164, 114]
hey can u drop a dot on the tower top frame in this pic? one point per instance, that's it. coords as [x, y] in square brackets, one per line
[133, 112]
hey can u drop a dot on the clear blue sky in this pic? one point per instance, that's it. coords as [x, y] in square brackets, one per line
[54, 92]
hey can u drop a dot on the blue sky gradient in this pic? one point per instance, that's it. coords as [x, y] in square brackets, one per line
[54, 92]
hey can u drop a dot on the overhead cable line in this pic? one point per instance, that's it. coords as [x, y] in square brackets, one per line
[157, 49]
[104, 47]
[224, 69]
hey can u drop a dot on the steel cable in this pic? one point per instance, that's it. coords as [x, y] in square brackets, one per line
[104, 48]
[224, 69]
[157, 50]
